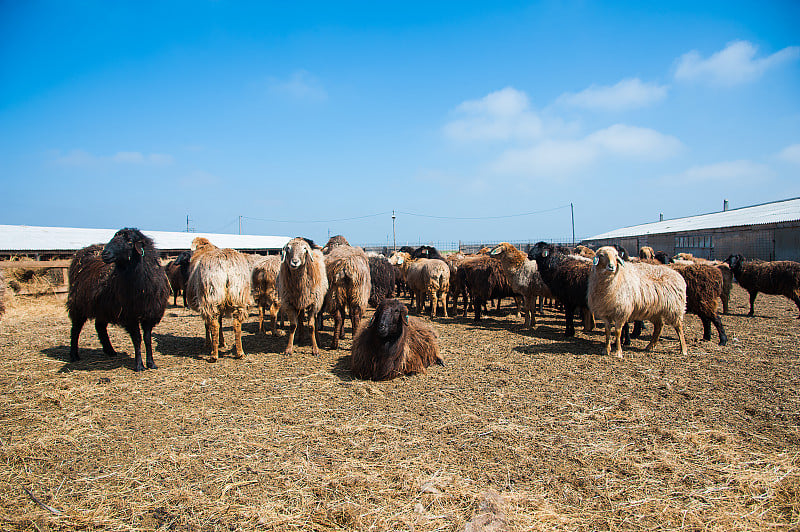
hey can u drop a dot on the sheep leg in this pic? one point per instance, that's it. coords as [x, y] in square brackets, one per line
[237, 333]
[273, 312]
[260, 317]
[529, 312]
[657, 326]
[706, 328]
[314, 348]
[77, 325]
[185, 303]
[626, 334]
[569, 311]
[444, 303]
[796, 299]
[136, 338]
[608, 337]
[147, 332]
[723, 338]
[102, 332]
[588, 320]
[355, 318]
[682, 338]
[434, 302]
[617, 332]
[213, 332]
[338, 325]
[292, 330]
[221, 338]
[638, 325]
[478, 304]
[752, 302]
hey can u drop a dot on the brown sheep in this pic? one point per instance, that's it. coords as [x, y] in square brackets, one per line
[302, 285]
[647, 253]
[394, 344]
[219, 286]
[178, 275]
[780, 277]
[583, 251]
[333, 242]
[265, 290]
[523, 276]
[349, 284]
[484, 279]
[703, 288]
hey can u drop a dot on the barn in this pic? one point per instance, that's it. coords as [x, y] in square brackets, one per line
[769, 231]
[43, 243]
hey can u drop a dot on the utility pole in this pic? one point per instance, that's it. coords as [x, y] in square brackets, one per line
[187, 223]
[394, 238]
[572, 213]
[240, 225]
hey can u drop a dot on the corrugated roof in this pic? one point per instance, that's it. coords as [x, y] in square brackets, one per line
[25, 237]
[774, 212]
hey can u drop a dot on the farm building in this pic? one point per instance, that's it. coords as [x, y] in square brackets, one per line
[770, 231]
[41, 243]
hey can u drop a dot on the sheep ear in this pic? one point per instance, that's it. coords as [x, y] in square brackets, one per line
[495, 251]
[139, 247]
[405, 318]
[545, 253]
[283, 254]
[371, 320]
[595, 261]
[310, 255]
[399, 260]
[620, 261]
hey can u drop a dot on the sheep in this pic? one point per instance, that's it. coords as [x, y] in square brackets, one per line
[429, 277]
[121, 283]
[583, 251]
[334, 242]
[661, 256]
[703, 288]
[2, 294]
[219, 286]
[178, 274]
[382, 278]
[622, 291]
[394, 344]
[780, 277]
[302, 285]
[349, 283]
[457, 288]
[524, 278]
[264, 280]
[646, 253]
[483, 277]
[567, 277]
[426, 252]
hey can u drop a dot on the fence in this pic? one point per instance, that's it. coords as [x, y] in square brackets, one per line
[450, 246]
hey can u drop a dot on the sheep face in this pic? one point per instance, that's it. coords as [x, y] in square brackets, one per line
[389, 319]
[124, 247]
[200, 242]
[607, 258]
[499, 249]
[295, 253]
[735, 262]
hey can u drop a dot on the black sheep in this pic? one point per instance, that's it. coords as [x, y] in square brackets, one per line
[382, 278]
[483, 279]
[426, 252]
[780, 277]
[394, 344]
[567, 278]
[121, 283]
[178, 275]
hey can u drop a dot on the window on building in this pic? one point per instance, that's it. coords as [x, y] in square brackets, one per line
[685, 243]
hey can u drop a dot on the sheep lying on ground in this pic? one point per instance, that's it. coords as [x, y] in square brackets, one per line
[394, 344]
[382, 279]
[703, 288]
[348, 287]
[780, 277]
[523, 276]
[121, 283]
[567, 278]
[264, 281]
[302, 285]
[622, 291]
[178, 274]
[219, 286]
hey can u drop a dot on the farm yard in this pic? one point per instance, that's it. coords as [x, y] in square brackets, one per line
[520, 430]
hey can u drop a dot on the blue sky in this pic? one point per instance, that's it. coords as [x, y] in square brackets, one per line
[307, 118]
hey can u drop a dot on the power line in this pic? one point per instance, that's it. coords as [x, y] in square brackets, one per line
[316, 221]
[483, 217]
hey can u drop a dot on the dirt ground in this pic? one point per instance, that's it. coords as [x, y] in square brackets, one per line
[521, 430]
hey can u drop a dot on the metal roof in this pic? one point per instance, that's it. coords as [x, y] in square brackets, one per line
[774, 212]
[30, 238]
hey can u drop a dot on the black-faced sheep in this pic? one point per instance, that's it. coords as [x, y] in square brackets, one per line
[426, 252]
[121, 283]
[567, 277]
[302, 285]
[264, 281]
[703, 288]
[621, 291]
[219, 286]
[348, 287]
[394, 344]
[178, 275]
[523, 276]
[780, 277]
[382, 277]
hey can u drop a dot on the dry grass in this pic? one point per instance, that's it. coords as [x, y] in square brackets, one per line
[568, 438]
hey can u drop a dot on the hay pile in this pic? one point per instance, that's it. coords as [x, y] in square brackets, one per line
[519, 431]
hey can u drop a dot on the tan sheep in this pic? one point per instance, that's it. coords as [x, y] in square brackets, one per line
[620, 292]
[426, 277]
[265, 290]
[523, 276]
[647, 253]
[348, 287]
[302, 285]
[219, 286]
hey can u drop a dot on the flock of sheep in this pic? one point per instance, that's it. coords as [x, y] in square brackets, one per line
[124, 283]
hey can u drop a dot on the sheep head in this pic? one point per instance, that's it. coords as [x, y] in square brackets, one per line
[389, 319]
[500, 249]
[399, 257]
[127, 245]
[735, 262]
[607, 258]
[295, 253]
[200, 242]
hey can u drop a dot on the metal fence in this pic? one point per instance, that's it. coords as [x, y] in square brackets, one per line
[451, 246]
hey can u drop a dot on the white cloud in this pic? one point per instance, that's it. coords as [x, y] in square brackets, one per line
[563, 157]
[627, 94]
[199, 179]
[82, 158]
[735, 64]
[791, 154]
[301, 85]
[504, 115]
[727, 171]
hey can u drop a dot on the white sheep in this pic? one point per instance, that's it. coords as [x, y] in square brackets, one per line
[429, 277]
[302, 285]
[622, 291]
